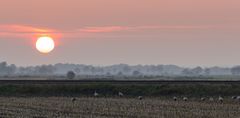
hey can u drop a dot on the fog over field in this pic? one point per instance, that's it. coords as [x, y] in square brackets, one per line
[115, 70]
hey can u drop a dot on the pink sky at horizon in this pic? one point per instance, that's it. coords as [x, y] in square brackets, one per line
[185, 33]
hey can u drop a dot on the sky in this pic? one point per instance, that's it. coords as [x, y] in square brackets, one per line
[105, 32]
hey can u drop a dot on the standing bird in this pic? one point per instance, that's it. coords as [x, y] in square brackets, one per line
[120, 94]
[140, 97]
[185, 99]
[211, 99]
[95, 94]
[234, 97]
[220, 99]
[203, 98]
[238, 98]
[175, 98]
[73, 100]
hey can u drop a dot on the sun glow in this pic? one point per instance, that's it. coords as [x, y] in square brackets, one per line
[45, 44]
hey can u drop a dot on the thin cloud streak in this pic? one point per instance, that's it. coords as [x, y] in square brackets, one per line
[140, 28]
[17, 30]
[23, 29]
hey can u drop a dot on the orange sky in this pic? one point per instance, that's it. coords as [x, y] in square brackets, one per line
[182, 32]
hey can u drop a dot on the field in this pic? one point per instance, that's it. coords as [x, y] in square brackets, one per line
[110, 89]
[89, 107]
[50, 99]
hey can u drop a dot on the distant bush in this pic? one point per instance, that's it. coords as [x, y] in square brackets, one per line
[70, 75]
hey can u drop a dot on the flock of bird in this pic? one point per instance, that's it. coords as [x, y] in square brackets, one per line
[220, 99]
[211, 99]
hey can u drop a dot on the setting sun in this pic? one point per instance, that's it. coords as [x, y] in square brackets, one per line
[45, 44]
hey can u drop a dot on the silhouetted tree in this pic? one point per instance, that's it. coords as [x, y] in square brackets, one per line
[70, 75]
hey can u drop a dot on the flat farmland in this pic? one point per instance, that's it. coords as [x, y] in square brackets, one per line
[90, 107]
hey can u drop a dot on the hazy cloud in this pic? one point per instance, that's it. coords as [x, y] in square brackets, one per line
[24, 30]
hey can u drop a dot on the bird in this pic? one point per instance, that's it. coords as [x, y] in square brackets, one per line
[238, 98]
[96, 94]
[120, 94]
[73, 100]
[185, 99]
[220, 99]
[234, 97]
[211, 99]
[175, 98]
[140, 97]
[203, 98]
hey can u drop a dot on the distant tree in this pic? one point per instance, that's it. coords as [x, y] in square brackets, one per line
[70, 75]
[3, 68]
[207, 71]
[235, 70]
[6, 69]
[126, 69]
[192, 72]
[108, 74]
[136, 73]
[119, 73]
[92, 70]
[3, 64]
[197, 71]
[89, 70]
[159, 69]
[45, 69]
[187, 72]
[11, 69]
[77, 70]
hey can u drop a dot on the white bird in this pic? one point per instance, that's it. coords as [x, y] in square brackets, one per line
[73, 100]
[120, 94]
[175, 98]
[211, 99]
[185, 99]
[203, 98]
[238, 98]
[220, 99]
[140, 97]
[96, 94]
[234, 97]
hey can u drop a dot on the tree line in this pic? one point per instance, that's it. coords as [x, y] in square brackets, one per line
[114, 70]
